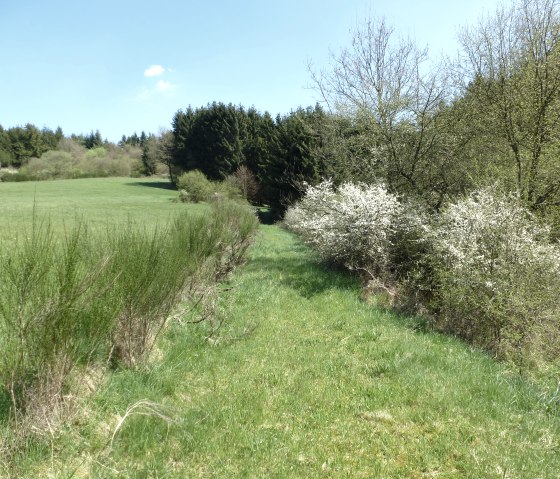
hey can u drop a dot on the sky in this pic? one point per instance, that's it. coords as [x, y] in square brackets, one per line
[121, 66]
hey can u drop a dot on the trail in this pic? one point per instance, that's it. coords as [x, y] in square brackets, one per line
[306, 380]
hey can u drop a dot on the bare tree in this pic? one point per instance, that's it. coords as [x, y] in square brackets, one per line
[390, 81]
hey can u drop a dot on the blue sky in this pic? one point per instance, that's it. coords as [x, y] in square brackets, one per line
[122, 66]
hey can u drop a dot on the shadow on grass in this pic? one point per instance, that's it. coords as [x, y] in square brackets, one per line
[5, 406]
[165, 185]
[307, 277]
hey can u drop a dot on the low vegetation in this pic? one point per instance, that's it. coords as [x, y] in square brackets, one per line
[86, 300]
[195, 187]
[483, 269]
[305, 380]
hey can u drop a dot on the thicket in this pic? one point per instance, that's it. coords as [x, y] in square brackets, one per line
[498, 277]
[96, 300]
[483, 269]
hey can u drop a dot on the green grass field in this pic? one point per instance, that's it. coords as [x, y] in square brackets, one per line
[99, 201]
[304, 380]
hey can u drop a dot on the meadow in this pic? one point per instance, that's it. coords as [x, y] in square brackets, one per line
[303, 379]
[99, 201]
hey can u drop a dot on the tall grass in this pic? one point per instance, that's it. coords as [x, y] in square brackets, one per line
[72, 300]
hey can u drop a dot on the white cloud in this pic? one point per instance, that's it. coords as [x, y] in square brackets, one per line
[154, 71]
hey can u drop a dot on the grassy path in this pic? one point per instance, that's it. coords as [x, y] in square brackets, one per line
[306, 381]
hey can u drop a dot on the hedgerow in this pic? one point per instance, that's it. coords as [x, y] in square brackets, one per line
[483, 269]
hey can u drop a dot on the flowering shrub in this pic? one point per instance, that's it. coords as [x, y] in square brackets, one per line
[484, 269]
[498, 275]
[352, 225]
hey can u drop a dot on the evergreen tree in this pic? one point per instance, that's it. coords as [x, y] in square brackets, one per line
[6, 156]
[150, 154]
[209, 139]
[59, 135]
[292, 163]
[25, 143]
[93, 140]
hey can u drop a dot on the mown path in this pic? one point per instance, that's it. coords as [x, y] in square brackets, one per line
[305, 380]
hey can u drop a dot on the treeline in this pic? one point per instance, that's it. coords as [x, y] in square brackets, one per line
[30, 153]
[429, 131]
[20, 143]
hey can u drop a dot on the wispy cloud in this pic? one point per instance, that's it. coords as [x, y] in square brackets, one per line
[160, 87]
[143, 95]
[154, 71]
[163, 85]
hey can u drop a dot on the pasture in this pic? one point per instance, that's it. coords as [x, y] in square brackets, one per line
[98, 201]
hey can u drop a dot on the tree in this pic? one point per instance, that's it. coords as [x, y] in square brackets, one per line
[93, 140]
[150, 151]
[25, 143]
[165, 149]
[510, 71]
[259, 139]
[143, 138]
[155, 152]
[6, 156]
[385, 85]
[292, 164]
[59, 134]
[209, 139]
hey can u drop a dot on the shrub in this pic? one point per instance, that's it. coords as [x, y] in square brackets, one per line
[484, 269]
[353, 225]
[194, 187]
[154, 271]
[53, 313]
[66, 301]
[227, 189]
[499, 277]
[72, 160]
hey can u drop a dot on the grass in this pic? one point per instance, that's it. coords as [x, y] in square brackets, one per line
[80, 299]
[305, 380]
[100, 201]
